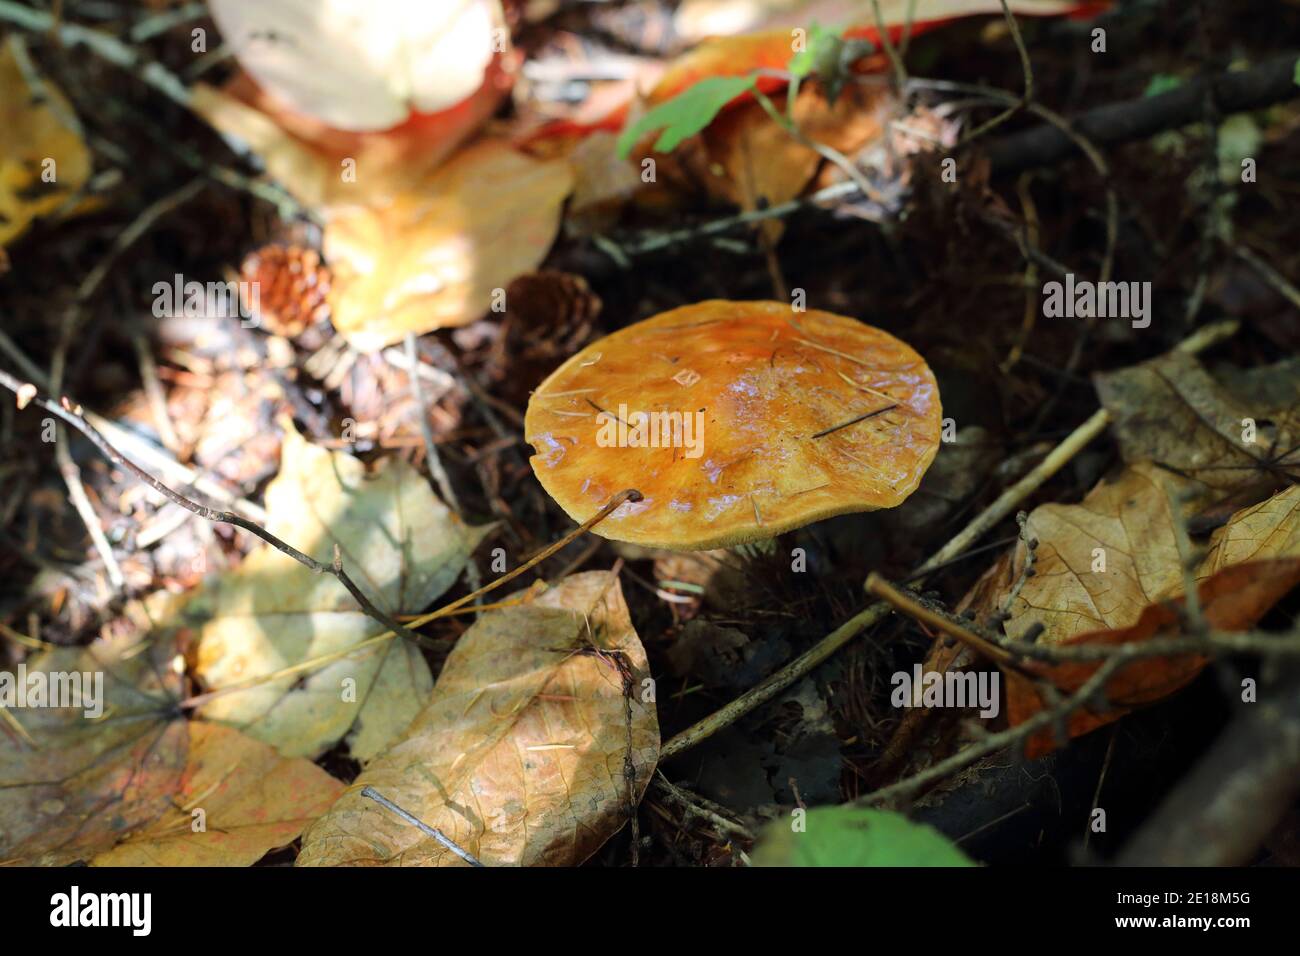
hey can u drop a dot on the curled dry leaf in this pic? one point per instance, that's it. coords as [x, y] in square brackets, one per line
[433, 256]
[364, 64]
[43, 161]
[736, 421]
[1252, 562]
[400, 545]
[520, 756]
[120, 789]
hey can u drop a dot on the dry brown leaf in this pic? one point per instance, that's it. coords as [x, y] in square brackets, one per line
[434, 255]
[1102, 561]
[1232, 599]
[79, 784]
[1252, 562]
[43, 161]
[520, 755]
[755, 161]
[1172, 411]
[120, 789]
[327, 169]
[252, 801]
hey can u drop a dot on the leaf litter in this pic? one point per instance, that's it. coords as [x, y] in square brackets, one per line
[536, 740]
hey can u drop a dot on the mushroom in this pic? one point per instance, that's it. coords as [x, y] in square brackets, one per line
[736, 421]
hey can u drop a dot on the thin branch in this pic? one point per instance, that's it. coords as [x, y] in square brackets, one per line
[72, 414]
[1026, 98]
[994, 743]
[446, 841]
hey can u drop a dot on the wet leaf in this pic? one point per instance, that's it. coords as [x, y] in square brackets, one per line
[855, 836]
[403, 548]
[519, 757]
[43, 161]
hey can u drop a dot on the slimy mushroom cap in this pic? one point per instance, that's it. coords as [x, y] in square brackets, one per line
[736, 421]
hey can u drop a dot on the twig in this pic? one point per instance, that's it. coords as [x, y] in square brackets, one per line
[77, 491]
[877, 586]
[664, 240]
[1270, 275]
[1221, 812]
[1235, 92]
[1026, 98]
[695, 805]
[71, 413]
[431, 458]
[895, 57]
[415, 821]
[129, 441]
[102, 45]
[985, 521]
[995, 742]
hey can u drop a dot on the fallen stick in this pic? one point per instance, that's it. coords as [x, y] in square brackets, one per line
[1271, 82]
[982, 523]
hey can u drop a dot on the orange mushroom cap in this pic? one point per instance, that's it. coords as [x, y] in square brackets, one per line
[736, 421]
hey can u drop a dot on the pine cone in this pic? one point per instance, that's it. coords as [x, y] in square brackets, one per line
[291, 287]
[554, 310]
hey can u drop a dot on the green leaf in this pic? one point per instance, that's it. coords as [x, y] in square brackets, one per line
[821, 50]
[855, 836]
[1162, 83]
[686, 113]
[1296, 75]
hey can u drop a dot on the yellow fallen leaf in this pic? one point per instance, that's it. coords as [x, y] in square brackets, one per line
[520, 755]
[43, 161]
[403, 548]
[238, 799]
[434, 255]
